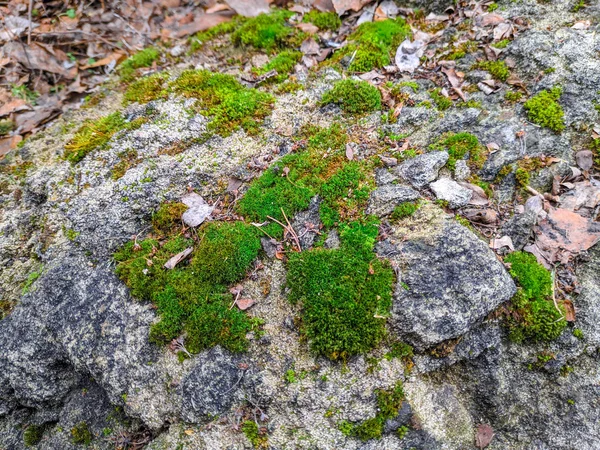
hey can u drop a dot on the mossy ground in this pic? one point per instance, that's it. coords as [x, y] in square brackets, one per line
[534, 316]
[267, 32]
[193, 297]
[497, 69]
[373, 44]
[323, 20]
[441, 102]
[544, 109]
[96, 134]
[225, 100]
[6, 126]
[147, 89]
[254, 435]
[33, 435]
[354, 96]
[404, 210]
[144, 58]
[461, 146]
[81, 434]
[283, 64]
[345, 293]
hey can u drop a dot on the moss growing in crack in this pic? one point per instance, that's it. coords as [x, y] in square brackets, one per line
[544, 109]
[33, 435]
[147, 89]
[534, 315]
[81, 434]
[501, 44]
[254, 435]
[497, 69]
[345, 293]
[321, 168]
[129, 158]
[6, 126]
[193, 297]
[167, 218]
[266, 31]
[222, 97]
[144, 58]
[373, 44]
[513, 96]
[283, 64]
[460, 146]
[389, 403]
[441, 101]
[354, 97]
[323, 20]
[96, 134]
[404, 210]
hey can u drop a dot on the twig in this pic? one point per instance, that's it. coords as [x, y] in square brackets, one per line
[292, 232]
[260, 228]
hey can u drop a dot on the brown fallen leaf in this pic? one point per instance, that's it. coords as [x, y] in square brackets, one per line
[490, 19]
[203, 22]
[486, 216]
[389, 161]
[569, 310]
[38, 58]
[8, 144]
[308, 28]
[479, 197]
[15, 105]
[116, 56]
[310, 47]
[341, 6]
[174, 260]
[483, 435]
[249, 8]
[349, 152]
[244, 303]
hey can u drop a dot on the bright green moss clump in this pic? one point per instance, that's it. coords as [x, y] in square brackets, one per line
[459, 146]
[373, 44]
[81, 434]
[345, 293]
[222, 97]
[404, 210]
[354, 96]
[252, 432]
[144, 58]
[323, 20]
[199, 39]
[95, 134]
[534, 315]
[389, 403]
[283, 64]
[265, 31]
[545, 110]
[497, 69]
[167, 217]
[441, 101]
[321, 168]
[33, 435]
[147, 89]
[194, 296]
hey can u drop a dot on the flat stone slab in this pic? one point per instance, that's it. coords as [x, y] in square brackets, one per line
[423, 169]
[384, 199]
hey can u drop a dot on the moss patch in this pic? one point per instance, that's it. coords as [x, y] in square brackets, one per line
[497, 69]
[461, 146]
[373, 44]
[354, 97]
[167, 218]
[6, 126]
[321, 168]
[147, 89]
[222, 97]
[441, 101]
[33, 435]
[144, 58]
[283, 64]
[199, 39]
[266, 31]
[533, 314]
[193, 296]
[545, 110]
[404, 210]
[254, 435]
[345, 293]
[323, 20]
[96, 134]
[81, 434]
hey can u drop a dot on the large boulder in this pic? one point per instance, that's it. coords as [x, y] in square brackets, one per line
[448, 279]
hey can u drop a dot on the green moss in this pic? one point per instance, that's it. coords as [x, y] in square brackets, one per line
[265, 31]
[460, 146]
[497, 69]
[33, 435]
[96, 134]
[252, 432]
[544, 109]
[404, 210]
[283, 64]
[147, 89]
[194, 296]
[168, 217]
[81, 434]
[345, 293]
[225, 100]
[411, 84]
[323, 20]
[128, 159]
[492, 7]
[501, 44]
[389, 403]
[373, 44]
[144, 58]
[534, 315]
[288, 87]
[199, 39]
[441, 102]
[6, 126]
[513, 96]
[462, 50]
[31, 278]
[578, 333]
[522, 177]
[354, 97]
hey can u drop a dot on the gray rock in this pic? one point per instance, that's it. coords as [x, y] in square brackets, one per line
[452, 192]
[212, 386]
[422, 169]
[520, 228]
[448, 281]
[384, 199]
[305, 224]
[461, 171]
[384, 176]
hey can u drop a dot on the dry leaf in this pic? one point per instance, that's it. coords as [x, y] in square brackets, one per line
[310, 47]
[484, 435]
[36, 57]
[244, 303]
[585, 159]
[491, 19]
[198, 210]
[173, 261]
[8, 144]
[341, 6]
[203, 22]
[504, 241]
[569, 310]
[308, 28]
[15, 105]
[249, 8]
[349, 152]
